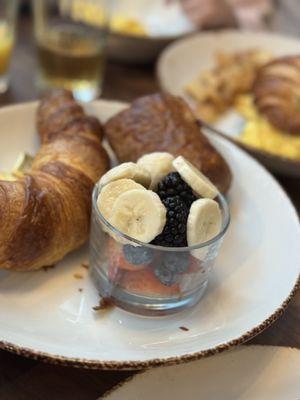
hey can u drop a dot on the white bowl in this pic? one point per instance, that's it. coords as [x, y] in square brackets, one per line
[164, 23]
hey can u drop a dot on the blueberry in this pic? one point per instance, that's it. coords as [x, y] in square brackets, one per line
[165, 276]
[176, 262]
[138, 255]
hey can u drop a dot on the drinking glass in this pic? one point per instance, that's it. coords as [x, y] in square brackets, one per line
[132, 275]
[8, 13]
[70, 39]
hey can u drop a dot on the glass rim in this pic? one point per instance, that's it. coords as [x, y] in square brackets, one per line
[225, 224]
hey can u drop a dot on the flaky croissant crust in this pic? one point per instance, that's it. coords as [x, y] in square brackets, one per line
[46, 214]
[277, 93]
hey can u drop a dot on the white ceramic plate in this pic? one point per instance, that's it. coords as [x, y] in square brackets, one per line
[162, 21]
[44, 315]
[183, 60]
[247, 373]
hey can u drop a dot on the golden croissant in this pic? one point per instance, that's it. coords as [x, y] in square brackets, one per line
[46, 214]
[277, 93]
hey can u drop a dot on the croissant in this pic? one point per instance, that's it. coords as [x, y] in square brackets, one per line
[277, 93]
[46, 214]
[162, 122]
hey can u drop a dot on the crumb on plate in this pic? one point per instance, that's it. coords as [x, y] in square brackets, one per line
[184, 328]
[104, 303]
[48, 267]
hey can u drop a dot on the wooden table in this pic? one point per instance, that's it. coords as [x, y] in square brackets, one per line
[24, 379]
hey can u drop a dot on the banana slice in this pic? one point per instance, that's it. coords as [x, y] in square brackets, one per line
[158, 164]
[204, 222]
[22, 165]
[127, 170]
[200, 184]
[110, 192]
[139, 214]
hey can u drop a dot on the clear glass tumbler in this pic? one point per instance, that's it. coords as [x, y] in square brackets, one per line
[70, 39]
[148, 279]
[8, 14]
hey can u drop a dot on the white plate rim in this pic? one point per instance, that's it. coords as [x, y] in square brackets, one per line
[213, 34]
[254, 151]
[154, 362]
[119, 385]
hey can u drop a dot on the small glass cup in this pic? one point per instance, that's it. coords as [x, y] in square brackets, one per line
[8, 14]
[70, 39]
[133, 275]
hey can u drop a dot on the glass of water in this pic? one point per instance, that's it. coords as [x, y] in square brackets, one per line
[8, 13]
[70, 39]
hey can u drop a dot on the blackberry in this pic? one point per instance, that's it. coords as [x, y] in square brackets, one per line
[174, 185]
[138, 255]
[174, 233]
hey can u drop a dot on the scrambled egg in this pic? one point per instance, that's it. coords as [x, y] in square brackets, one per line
[6, 44]
[93, 14]
[129, 26]
[259, 133]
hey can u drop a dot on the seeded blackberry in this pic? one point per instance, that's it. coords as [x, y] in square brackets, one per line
[174, 233]
[174, 185]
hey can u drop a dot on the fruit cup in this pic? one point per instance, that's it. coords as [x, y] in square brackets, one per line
[145, 278]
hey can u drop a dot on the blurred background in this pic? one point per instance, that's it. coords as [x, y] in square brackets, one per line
[133, 33]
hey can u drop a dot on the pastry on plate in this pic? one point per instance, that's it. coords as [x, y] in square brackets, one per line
[162, 122]
[264, 91]
[276, 93]
[271, 109]
[215, 89]
[46, 213]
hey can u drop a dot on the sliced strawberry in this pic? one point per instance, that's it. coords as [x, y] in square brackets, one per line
[191, 279]
[195, 265]
[144, 282]
[117, 259]
[114, 273]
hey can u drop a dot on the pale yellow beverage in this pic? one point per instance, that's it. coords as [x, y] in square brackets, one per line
[70, 40]
[71, 58]
[6, 46]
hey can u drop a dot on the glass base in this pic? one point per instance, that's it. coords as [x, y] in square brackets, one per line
[82, 90]
[145, 305]
[4, 83]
